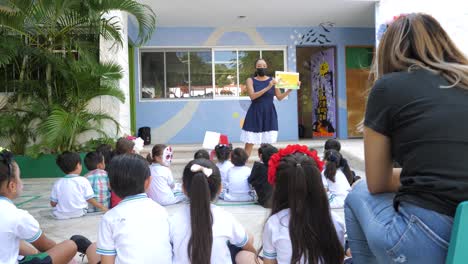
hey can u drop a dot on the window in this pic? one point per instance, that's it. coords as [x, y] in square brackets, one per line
[202, 73]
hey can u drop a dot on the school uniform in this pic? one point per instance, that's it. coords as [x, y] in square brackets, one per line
[338, 190]
[162, 185]
[237, 185]
[71, 194]
[16, 225]
[225, 229]
[135, 231]
[277, 242]
[223, 169]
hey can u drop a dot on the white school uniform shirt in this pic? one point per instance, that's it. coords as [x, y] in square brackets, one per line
[135, 231]
[223, 169]
[71, 194]
[277, 242]
[338, 190]
[160, 188]
[238, 180]
[15, 225]
[225, 229]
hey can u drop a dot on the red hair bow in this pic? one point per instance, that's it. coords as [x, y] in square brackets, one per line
[289, 150]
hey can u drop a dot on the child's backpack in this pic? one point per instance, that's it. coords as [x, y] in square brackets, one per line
[145, 134]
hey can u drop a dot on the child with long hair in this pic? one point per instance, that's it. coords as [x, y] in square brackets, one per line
[199, 230]
[333, 144]
[334, 179]
[162, 189]
[301, 228]
[223, 153]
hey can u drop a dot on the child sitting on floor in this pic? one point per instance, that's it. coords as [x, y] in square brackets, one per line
[136, 230]
[71, 194]
[301, 227]
[333, 144]
[199, 230]
[258, 177]
[334, 180]
[97, 176]
[18, 227]
[122, 146]
[162, 188]
[237, 187]
[223, 153]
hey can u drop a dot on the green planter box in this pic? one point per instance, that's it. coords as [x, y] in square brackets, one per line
[42, 167]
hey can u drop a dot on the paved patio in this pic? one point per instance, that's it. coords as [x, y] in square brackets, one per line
[35, 199]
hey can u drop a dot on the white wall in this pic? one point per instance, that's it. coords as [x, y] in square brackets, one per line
[452, 14]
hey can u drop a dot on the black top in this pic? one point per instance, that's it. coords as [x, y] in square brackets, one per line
[428, 128]
[259, 180]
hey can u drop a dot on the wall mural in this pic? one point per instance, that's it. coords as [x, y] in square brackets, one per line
[323, 93]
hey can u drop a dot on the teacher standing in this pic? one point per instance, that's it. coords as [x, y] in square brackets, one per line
[261, 122]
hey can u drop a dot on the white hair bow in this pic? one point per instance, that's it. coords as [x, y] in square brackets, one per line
[198, 168]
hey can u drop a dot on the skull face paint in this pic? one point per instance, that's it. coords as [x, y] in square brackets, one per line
[167, 156]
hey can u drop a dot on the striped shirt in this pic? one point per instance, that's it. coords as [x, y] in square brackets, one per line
[100, 184]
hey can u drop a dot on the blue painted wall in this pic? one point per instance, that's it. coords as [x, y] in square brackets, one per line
[221, 115]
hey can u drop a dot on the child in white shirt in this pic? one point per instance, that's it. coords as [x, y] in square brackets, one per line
[300, 208]
[237, 187]
[162, 188]
[71, 194]
[137, 229]
[199, 230]
[223, 153]
[334, 180]
[18, 226]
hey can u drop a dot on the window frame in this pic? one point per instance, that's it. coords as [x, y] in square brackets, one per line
[213, 49]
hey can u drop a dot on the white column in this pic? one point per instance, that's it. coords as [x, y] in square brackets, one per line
[451, 14]
[119, 54]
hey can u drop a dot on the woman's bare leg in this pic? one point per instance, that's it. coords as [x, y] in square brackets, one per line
[248, 148]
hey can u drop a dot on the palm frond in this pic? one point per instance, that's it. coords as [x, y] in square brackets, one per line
[144, 15]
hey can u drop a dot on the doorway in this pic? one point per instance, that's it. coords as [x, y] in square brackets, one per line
[317, 97]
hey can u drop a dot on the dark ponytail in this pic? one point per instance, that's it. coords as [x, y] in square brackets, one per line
[157, 151]
[299, 188]
[344, 166]
[333, 159]
[201, 190]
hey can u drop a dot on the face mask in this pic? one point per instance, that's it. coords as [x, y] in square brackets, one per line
[167, 156]
[261, 72]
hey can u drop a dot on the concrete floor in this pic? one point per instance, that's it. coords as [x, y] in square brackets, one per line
[36, 194]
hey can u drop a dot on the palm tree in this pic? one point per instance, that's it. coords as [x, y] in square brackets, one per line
[53, 48]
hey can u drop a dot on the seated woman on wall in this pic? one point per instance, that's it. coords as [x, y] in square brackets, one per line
[417, 115]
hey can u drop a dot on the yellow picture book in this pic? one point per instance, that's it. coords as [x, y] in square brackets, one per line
[287, 80]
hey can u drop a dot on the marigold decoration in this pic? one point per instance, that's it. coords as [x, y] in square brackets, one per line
[290, 149]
